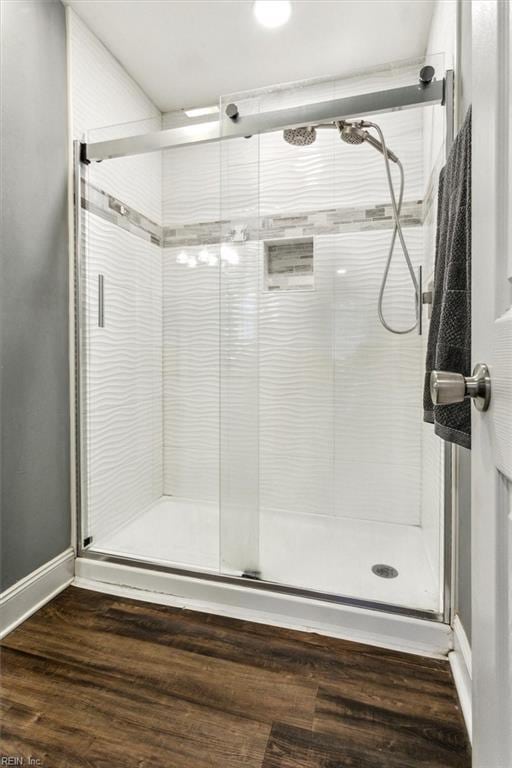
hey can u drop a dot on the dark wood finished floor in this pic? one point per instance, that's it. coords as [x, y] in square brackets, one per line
[96, 680]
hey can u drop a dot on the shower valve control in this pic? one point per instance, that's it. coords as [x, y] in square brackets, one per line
[447, 387]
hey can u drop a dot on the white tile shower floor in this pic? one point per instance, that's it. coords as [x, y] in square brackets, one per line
[326, 554]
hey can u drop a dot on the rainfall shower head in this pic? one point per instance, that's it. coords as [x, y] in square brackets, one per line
[305, 134]
[300, 137]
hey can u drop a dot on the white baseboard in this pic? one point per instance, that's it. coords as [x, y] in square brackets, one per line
[460, 660]
[428, 638]
[28, 595]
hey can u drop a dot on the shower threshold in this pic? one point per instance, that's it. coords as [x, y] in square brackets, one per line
[320, 553]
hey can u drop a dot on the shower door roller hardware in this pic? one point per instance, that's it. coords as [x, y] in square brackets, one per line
[426, 75]
[447, 387]
[232, 112]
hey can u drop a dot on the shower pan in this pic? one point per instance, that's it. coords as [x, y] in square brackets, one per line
[244, 415]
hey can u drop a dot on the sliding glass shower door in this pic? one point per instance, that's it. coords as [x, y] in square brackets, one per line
[338, 481]
[243, 410]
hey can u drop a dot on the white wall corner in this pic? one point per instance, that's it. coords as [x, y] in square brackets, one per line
[460, 661]
[29, 594]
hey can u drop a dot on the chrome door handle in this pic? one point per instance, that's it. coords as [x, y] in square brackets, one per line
[447, 387]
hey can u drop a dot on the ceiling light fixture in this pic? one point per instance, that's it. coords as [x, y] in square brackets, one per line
[201, 111]
[272, 13]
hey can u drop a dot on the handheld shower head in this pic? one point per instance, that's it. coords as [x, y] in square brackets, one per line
[354, 133]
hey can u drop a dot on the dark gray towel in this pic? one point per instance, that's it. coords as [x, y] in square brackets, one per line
[449, 338]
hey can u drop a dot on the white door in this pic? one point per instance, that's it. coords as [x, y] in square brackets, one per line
[491, 457]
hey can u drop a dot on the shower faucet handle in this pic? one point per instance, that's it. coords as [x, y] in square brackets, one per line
[447, 387]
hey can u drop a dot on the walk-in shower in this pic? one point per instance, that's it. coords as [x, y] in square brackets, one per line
[235, 417]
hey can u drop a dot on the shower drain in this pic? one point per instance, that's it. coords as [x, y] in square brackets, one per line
[384, 571]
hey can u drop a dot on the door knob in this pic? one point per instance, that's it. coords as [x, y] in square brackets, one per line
[447, 387]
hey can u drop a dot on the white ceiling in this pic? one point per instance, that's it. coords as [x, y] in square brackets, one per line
[186, 53]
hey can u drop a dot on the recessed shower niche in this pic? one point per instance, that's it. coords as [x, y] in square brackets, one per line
[232, 420]
[289, 264]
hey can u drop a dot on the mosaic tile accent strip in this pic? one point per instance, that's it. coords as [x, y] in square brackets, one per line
[321, 222]
[111, 209]
[331, 221]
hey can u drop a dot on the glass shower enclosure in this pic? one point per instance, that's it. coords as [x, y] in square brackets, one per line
[241, 411]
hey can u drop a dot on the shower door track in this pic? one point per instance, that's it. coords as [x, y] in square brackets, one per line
[264, 586]
[378, 102]
[437, 92]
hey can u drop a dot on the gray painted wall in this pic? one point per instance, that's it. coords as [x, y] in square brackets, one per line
[463, 597]
[35, 494]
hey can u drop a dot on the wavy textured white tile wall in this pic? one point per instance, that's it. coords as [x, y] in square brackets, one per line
[323, 409]
[191, 377]
[211, 439]
[108, 103]
[298, 431]
[265, 175]
[123, 360]
[191, 184]
[123, 401]
[240, 382]
[331, 173]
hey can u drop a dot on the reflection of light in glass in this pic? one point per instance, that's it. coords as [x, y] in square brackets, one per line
[205, 257]
[192, 262]
[229, 254]
[199, 130]
[272, 13]
[341, 271]
[182, 258]
[201, 111]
